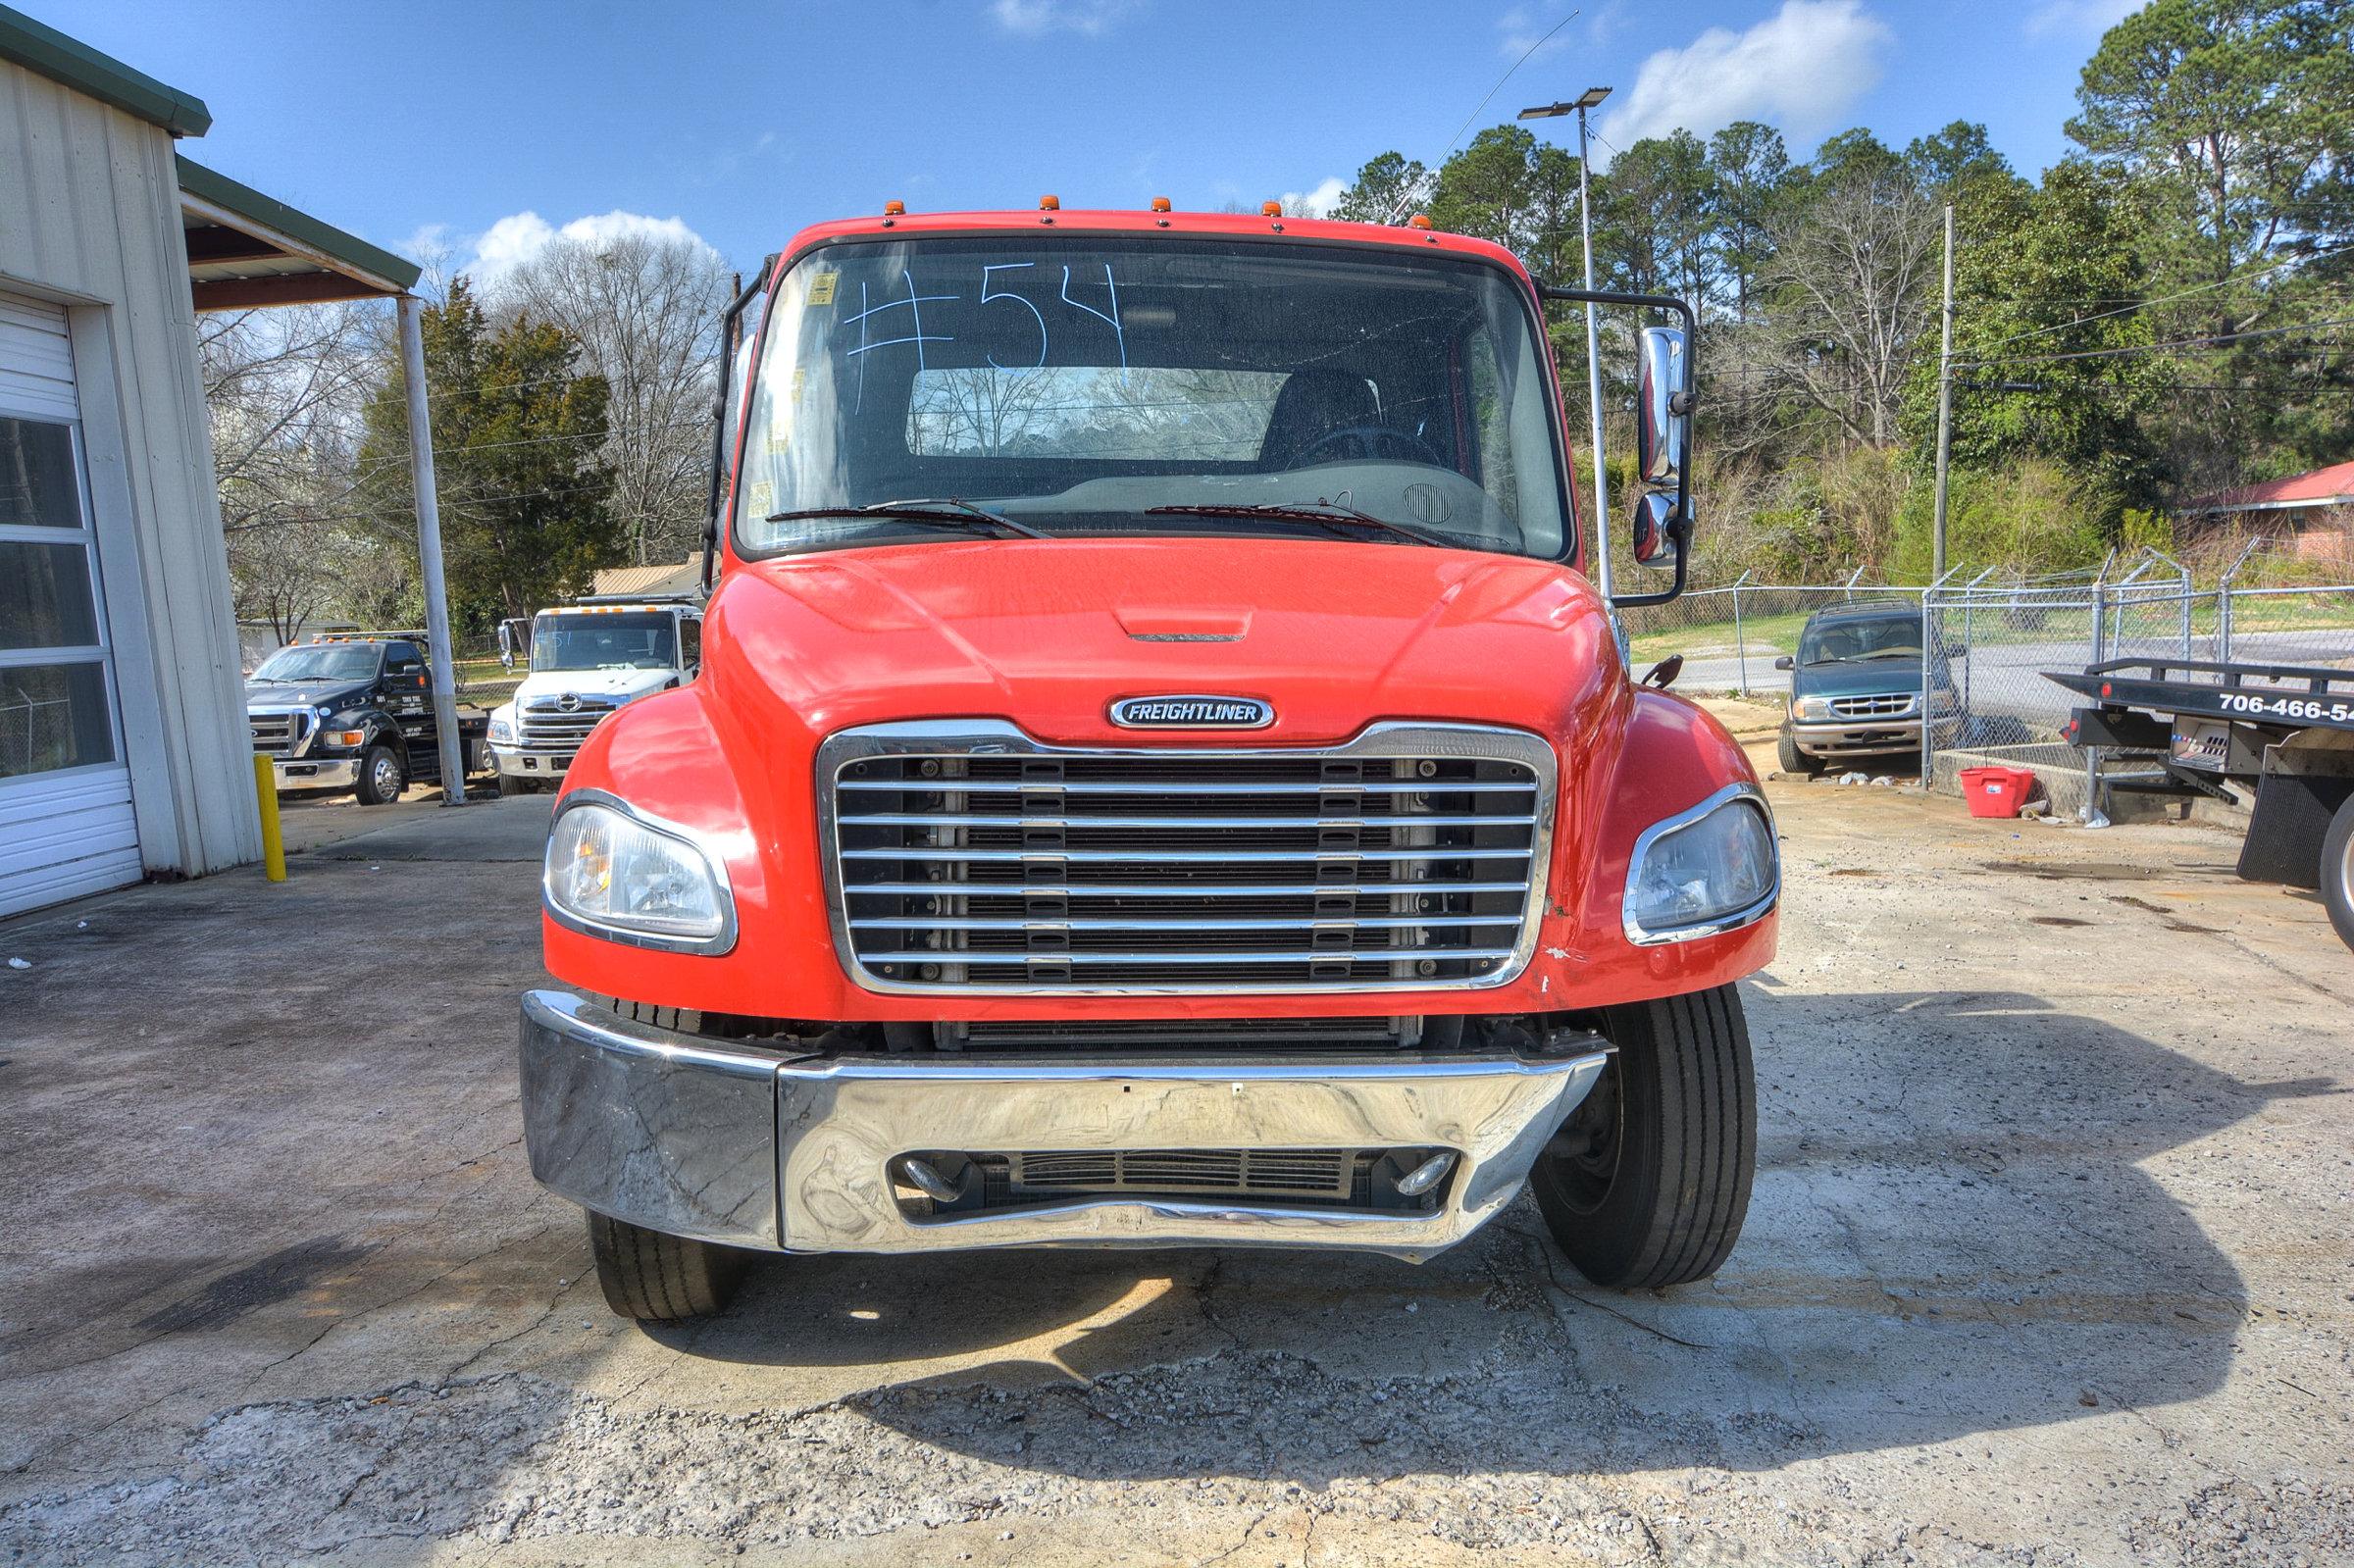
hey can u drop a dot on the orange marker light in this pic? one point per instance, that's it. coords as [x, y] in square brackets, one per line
[1270, 208]
[1161, 204]
[1418, 220]
[894, 209]
[1049, 204]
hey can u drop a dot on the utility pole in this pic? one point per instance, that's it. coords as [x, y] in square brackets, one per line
[1945, 404]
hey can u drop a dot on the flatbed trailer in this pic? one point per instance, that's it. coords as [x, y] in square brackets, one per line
[2282, 731]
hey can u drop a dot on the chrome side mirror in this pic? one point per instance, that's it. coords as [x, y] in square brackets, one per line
[1663, 428]
[1665, 404]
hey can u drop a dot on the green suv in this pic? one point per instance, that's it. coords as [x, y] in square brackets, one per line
[1855, 685]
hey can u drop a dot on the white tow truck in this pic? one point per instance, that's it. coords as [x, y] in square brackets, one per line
[588, 659]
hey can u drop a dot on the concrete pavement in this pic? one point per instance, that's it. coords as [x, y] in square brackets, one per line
[2047, 1265]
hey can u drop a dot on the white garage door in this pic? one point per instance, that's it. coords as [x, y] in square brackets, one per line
[66, 825]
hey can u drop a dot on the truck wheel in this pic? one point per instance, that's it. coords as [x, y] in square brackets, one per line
[509, 785]
[657, 1277]
[381, 776]
[2337, 871]
[1647, 1182]
[1794, 760]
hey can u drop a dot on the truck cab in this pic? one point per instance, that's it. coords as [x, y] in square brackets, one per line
[1163, 775]
[352, 711]
[587, 660]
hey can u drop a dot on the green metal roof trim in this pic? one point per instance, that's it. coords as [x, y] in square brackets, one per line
[268, 212]
[50, 53]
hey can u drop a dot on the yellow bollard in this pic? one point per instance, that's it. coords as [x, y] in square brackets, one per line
[274, 844]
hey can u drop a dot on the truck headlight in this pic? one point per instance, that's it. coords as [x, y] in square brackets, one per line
[1704, 871]
[502, 726]
[1811, 708]
[613, 873]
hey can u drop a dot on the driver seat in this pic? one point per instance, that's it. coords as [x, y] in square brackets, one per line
[1310, 405]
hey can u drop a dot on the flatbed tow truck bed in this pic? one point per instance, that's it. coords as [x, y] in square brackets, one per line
[2284, 732]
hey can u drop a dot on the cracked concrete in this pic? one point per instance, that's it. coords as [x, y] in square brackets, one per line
[2047, 1265]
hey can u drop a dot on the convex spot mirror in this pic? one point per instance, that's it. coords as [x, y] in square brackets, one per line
[1655, 512]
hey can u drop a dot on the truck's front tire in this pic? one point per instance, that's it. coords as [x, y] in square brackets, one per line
[1647, 1182]
[656, 1278]
[382, 776]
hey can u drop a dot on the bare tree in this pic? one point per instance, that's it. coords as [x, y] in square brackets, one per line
[1850, 291]
[285, 388]
[645, 304]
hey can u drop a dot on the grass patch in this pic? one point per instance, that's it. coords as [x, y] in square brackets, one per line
[1767, 635]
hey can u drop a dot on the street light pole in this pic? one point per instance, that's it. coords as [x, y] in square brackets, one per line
[1601, 482]
[1585, 226]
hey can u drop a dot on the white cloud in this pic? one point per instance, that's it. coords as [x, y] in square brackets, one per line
[2089, 18]
[1799, 69]
[1317, 203]
[519, 236]
[1523, 28]
[1089, 17]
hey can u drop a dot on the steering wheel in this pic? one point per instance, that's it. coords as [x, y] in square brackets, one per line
[1369, 440]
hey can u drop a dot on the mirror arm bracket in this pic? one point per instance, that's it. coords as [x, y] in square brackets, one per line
[728, 327]
[1680, 530]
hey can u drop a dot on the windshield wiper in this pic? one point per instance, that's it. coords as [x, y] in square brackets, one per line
[947, 512]
[1331, 516]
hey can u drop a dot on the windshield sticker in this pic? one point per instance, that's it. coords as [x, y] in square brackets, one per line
[821, 288]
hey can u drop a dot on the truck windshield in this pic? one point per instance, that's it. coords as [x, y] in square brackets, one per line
[319, 661]
[1849, 642]
[644, 641]
[1074, 386]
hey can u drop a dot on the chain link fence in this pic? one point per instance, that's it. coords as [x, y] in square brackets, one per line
[1729, 636]
[1991, 641]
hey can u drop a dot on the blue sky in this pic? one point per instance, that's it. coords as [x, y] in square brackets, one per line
[478, 127]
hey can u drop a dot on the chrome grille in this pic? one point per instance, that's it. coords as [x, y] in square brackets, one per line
[278, 732]
[966, 857]
[541, 725]
[1898, 705]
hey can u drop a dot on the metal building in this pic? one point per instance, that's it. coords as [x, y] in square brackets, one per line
[124, 747]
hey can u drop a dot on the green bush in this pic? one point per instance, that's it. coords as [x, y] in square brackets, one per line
[2030, 516]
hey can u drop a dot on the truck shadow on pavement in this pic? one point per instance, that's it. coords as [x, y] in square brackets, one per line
[1952, 1234]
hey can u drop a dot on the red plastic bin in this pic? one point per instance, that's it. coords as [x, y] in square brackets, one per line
[1997, 791]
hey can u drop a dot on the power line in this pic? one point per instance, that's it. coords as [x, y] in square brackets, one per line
[1483, 102]
[2209, 340]
[2164, 299]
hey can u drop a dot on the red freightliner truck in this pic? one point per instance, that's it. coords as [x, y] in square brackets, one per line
[1161, 776]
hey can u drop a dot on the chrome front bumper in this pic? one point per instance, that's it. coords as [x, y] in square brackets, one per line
[537, 763]
[327, 772]
[790, 1154]
[1858, 737]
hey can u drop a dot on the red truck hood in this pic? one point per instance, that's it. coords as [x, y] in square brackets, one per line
[1334, 634]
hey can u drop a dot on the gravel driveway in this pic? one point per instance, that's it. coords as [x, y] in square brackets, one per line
[2049, 1264]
